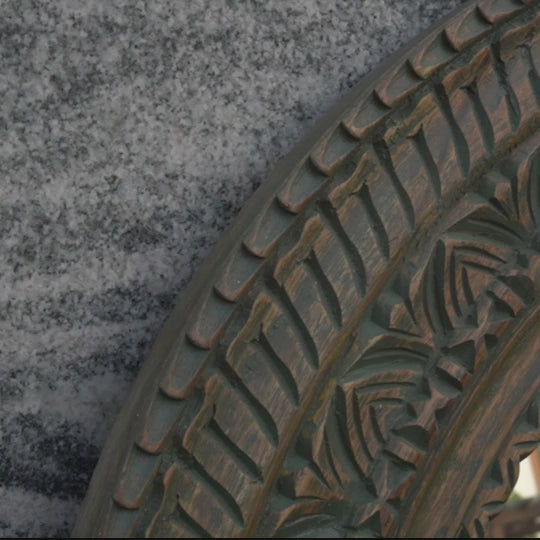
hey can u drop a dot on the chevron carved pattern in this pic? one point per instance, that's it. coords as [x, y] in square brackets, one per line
[314, 376]
[430, 331]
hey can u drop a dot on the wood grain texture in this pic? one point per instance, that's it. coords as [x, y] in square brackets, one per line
[360, 359]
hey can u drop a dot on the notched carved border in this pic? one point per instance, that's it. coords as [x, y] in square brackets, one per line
[185, 412]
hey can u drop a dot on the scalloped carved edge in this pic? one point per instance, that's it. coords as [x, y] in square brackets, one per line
[193, 351]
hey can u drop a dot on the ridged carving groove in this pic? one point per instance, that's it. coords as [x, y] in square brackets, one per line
[322, 364]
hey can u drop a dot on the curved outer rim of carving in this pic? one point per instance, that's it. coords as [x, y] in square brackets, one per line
[93, 518]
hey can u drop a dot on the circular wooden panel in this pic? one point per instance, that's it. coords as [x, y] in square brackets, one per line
[358, 355]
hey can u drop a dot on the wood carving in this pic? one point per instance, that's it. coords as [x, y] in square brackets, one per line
[358, 356]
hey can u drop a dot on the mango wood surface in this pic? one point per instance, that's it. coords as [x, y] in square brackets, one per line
[359, 354]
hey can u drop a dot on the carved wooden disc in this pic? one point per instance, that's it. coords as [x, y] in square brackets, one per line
[358, 356]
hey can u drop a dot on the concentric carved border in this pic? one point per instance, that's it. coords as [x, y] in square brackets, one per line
[382, 137]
